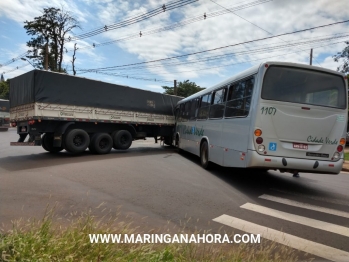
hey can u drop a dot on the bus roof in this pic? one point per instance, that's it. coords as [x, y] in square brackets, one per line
[254, 70]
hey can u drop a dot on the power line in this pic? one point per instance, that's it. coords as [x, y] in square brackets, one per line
[253, 24]
[179, 24]
[258, 49]
[14, 59]
[217, 48]
[136, 19]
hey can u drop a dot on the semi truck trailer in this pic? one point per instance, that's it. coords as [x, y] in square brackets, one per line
[64, 112]
[4, 115]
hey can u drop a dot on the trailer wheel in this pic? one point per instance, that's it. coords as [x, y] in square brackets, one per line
[47, 144]
[168, 140]
[101, 143]
[112, 136]
[76, 141]
[122, 139]
[204, 155]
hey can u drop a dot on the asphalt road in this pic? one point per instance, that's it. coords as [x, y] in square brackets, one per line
[155, 186]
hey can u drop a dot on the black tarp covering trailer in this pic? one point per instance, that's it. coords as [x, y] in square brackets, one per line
[48, 87]
[74, 113]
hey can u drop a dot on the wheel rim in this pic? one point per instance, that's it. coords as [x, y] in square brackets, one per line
[123, 140]
[78, 140]
[103, 143]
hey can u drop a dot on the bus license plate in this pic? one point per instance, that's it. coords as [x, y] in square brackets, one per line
[300, 146]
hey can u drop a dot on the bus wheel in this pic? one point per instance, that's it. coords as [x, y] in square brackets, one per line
[122, 139]
[76, 141]
[204, 155]
[47, 144]
[101, 143]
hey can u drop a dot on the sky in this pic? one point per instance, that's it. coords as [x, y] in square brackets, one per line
[187, 45]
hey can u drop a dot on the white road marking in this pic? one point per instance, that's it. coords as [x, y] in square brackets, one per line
[305, 205]
[298, 219]
[329, 200]
[302, 244]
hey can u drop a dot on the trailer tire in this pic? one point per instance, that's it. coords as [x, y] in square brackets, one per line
[205, 163]
[122, 139]
[112, 136]
[168, 140]
[101, 143]
[76, 141]
[47, 144]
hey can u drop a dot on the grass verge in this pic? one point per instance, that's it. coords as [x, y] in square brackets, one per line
[46, 240]
[346, 156]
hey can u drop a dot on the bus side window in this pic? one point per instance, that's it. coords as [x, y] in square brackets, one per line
[217, 107]
[239, 98]
[204, 107]
[193, 108]
[177, 113]
[181, 113]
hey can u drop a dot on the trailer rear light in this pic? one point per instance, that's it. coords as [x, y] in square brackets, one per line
[259, 140]
[339, 148]
[342, 141]
[31, 122]
[258, 132]
[13, 124]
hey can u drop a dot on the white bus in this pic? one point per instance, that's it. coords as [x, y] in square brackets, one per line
[282, 116]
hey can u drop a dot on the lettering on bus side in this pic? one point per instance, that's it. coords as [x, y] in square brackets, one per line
[321, 140]
[268, 110]
[191, 130]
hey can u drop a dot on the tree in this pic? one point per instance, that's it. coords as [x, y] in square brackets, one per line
[5, 89]
[344, 58]
[184, 89]
[50, 29]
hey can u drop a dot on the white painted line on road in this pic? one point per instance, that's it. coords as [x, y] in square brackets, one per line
[329, 200]
[305, 205]
[340, 230]
[302, 244]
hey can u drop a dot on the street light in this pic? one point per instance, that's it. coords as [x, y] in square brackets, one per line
[22, 58]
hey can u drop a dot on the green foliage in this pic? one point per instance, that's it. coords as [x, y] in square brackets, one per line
[5, 89]
[46, 240]
[51, 28]
[184, 89]
[343, 58]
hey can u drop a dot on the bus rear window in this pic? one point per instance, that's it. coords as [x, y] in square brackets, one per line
[303, 86]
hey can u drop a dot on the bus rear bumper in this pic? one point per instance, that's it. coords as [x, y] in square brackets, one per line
[294, 164]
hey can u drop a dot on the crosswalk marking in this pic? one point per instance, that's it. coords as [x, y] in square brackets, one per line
[311, 247]
[305, 205]
[298, 219]
[324, 199]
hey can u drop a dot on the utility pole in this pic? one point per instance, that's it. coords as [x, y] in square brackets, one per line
[175, 87]
[46, 56]
[311, 56]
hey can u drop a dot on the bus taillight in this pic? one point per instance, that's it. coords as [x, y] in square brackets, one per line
[339, 148]
[259, 140]
[342, 141]
[258, 132]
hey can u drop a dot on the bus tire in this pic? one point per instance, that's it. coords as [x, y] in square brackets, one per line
[76, 141]
[47, 144]
[204, 155]
[101, 143]
[122, 139]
